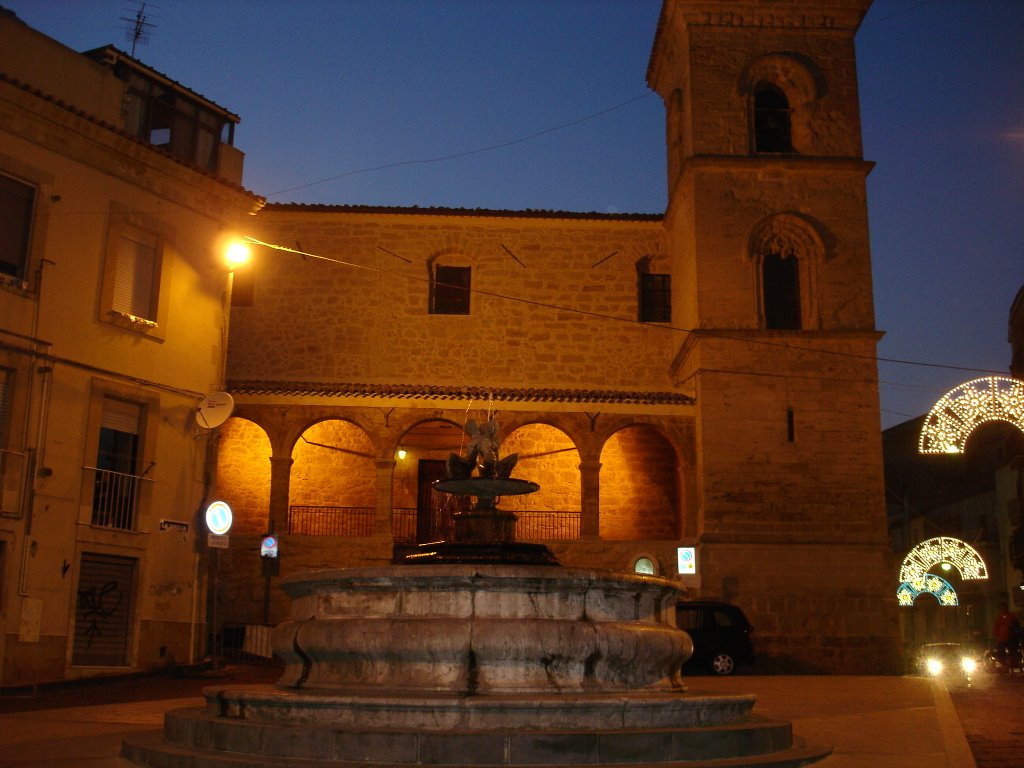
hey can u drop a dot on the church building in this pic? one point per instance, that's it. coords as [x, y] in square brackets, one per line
[695, 392]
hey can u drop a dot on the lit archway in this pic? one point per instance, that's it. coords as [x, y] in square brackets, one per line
[961, 410]
[943, 552]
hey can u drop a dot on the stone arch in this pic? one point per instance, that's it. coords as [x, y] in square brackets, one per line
[640, 494]
[785, 236]
[418, 513]
[963, 409]
[332, 490]
[797, 79]
[549, 457]
[243, 474]
[939, 551]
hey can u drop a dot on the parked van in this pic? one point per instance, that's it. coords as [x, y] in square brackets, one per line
[720, 633]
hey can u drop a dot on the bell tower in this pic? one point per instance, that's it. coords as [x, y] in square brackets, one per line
[771, 275]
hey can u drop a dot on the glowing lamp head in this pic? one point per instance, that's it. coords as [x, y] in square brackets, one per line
[237, 253]
[402, 454]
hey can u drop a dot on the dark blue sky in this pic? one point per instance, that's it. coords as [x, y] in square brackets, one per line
[543, 104]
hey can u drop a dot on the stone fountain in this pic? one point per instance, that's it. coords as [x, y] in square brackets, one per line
[481, 651]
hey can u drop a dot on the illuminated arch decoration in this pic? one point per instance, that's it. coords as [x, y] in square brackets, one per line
[959, 411]
[930, 584]
[938, 551]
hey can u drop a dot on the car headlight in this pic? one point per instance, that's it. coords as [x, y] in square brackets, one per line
[968, 665]
[934, 666]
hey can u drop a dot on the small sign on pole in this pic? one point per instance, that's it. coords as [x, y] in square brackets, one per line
[217, 540]
[687, 557]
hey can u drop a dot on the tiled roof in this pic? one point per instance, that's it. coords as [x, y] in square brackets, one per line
[440, 392]
[435, 210]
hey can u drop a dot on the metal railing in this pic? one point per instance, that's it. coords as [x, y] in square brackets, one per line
[539, 525]
[403, 525]
[307, 520]
[114, 499]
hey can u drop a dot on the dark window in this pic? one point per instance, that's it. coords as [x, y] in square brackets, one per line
[16, 201]
[243, 286]
[450, 291]
[781, 283]
[772, 132]
[116, 484]
[655, 298]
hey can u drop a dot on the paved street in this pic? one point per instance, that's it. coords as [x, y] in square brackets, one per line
[992, 716]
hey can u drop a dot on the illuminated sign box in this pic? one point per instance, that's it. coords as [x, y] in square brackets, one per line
[687, 561]
[268, 546]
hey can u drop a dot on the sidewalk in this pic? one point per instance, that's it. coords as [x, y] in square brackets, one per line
[876, 722]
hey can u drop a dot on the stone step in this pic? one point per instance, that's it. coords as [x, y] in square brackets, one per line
[193, 737]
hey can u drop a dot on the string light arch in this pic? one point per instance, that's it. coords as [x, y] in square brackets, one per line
[960, 411]
[940, 551]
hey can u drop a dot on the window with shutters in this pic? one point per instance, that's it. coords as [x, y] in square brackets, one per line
[103, 612]
[116, 483]
[135, 275]
[132, 285]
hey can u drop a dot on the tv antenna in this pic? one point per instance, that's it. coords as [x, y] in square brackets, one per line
[138, 28]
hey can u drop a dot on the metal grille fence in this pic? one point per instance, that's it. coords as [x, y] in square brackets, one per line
[330, 521]
[531, 525]
[536, 525]
[114, 499]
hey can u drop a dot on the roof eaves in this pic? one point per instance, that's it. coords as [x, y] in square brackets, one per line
[528, 213]
[442, 392]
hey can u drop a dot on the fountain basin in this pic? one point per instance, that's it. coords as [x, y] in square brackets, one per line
[481, 630]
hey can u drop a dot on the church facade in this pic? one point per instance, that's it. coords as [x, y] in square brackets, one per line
[700, 381]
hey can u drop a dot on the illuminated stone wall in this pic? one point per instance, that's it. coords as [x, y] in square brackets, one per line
[243, 475]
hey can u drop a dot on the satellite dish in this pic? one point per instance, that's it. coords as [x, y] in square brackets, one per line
[214, 409]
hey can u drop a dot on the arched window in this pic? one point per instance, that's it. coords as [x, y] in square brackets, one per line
[785, 250]
[772, 128]
[780, 281]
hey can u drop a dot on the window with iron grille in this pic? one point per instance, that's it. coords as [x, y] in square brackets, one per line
[449, 291]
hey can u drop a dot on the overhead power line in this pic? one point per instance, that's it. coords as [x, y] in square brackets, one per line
[466, 153]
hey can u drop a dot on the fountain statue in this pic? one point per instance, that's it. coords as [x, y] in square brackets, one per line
[478, 651]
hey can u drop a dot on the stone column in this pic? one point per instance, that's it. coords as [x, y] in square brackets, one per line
[280, 481]
[590, 499]
[385, 469]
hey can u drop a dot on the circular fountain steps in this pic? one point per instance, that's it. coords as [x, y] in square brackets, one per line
[199, 738]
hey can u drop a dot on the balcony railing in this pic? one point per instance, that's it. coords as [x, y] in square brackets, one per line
[115, 499]
[531, 525]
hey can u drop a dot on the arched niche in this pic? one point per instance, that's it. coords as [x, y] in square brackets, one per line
[243, 474]
[548, 457]
[332, 490]
[640, 495]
